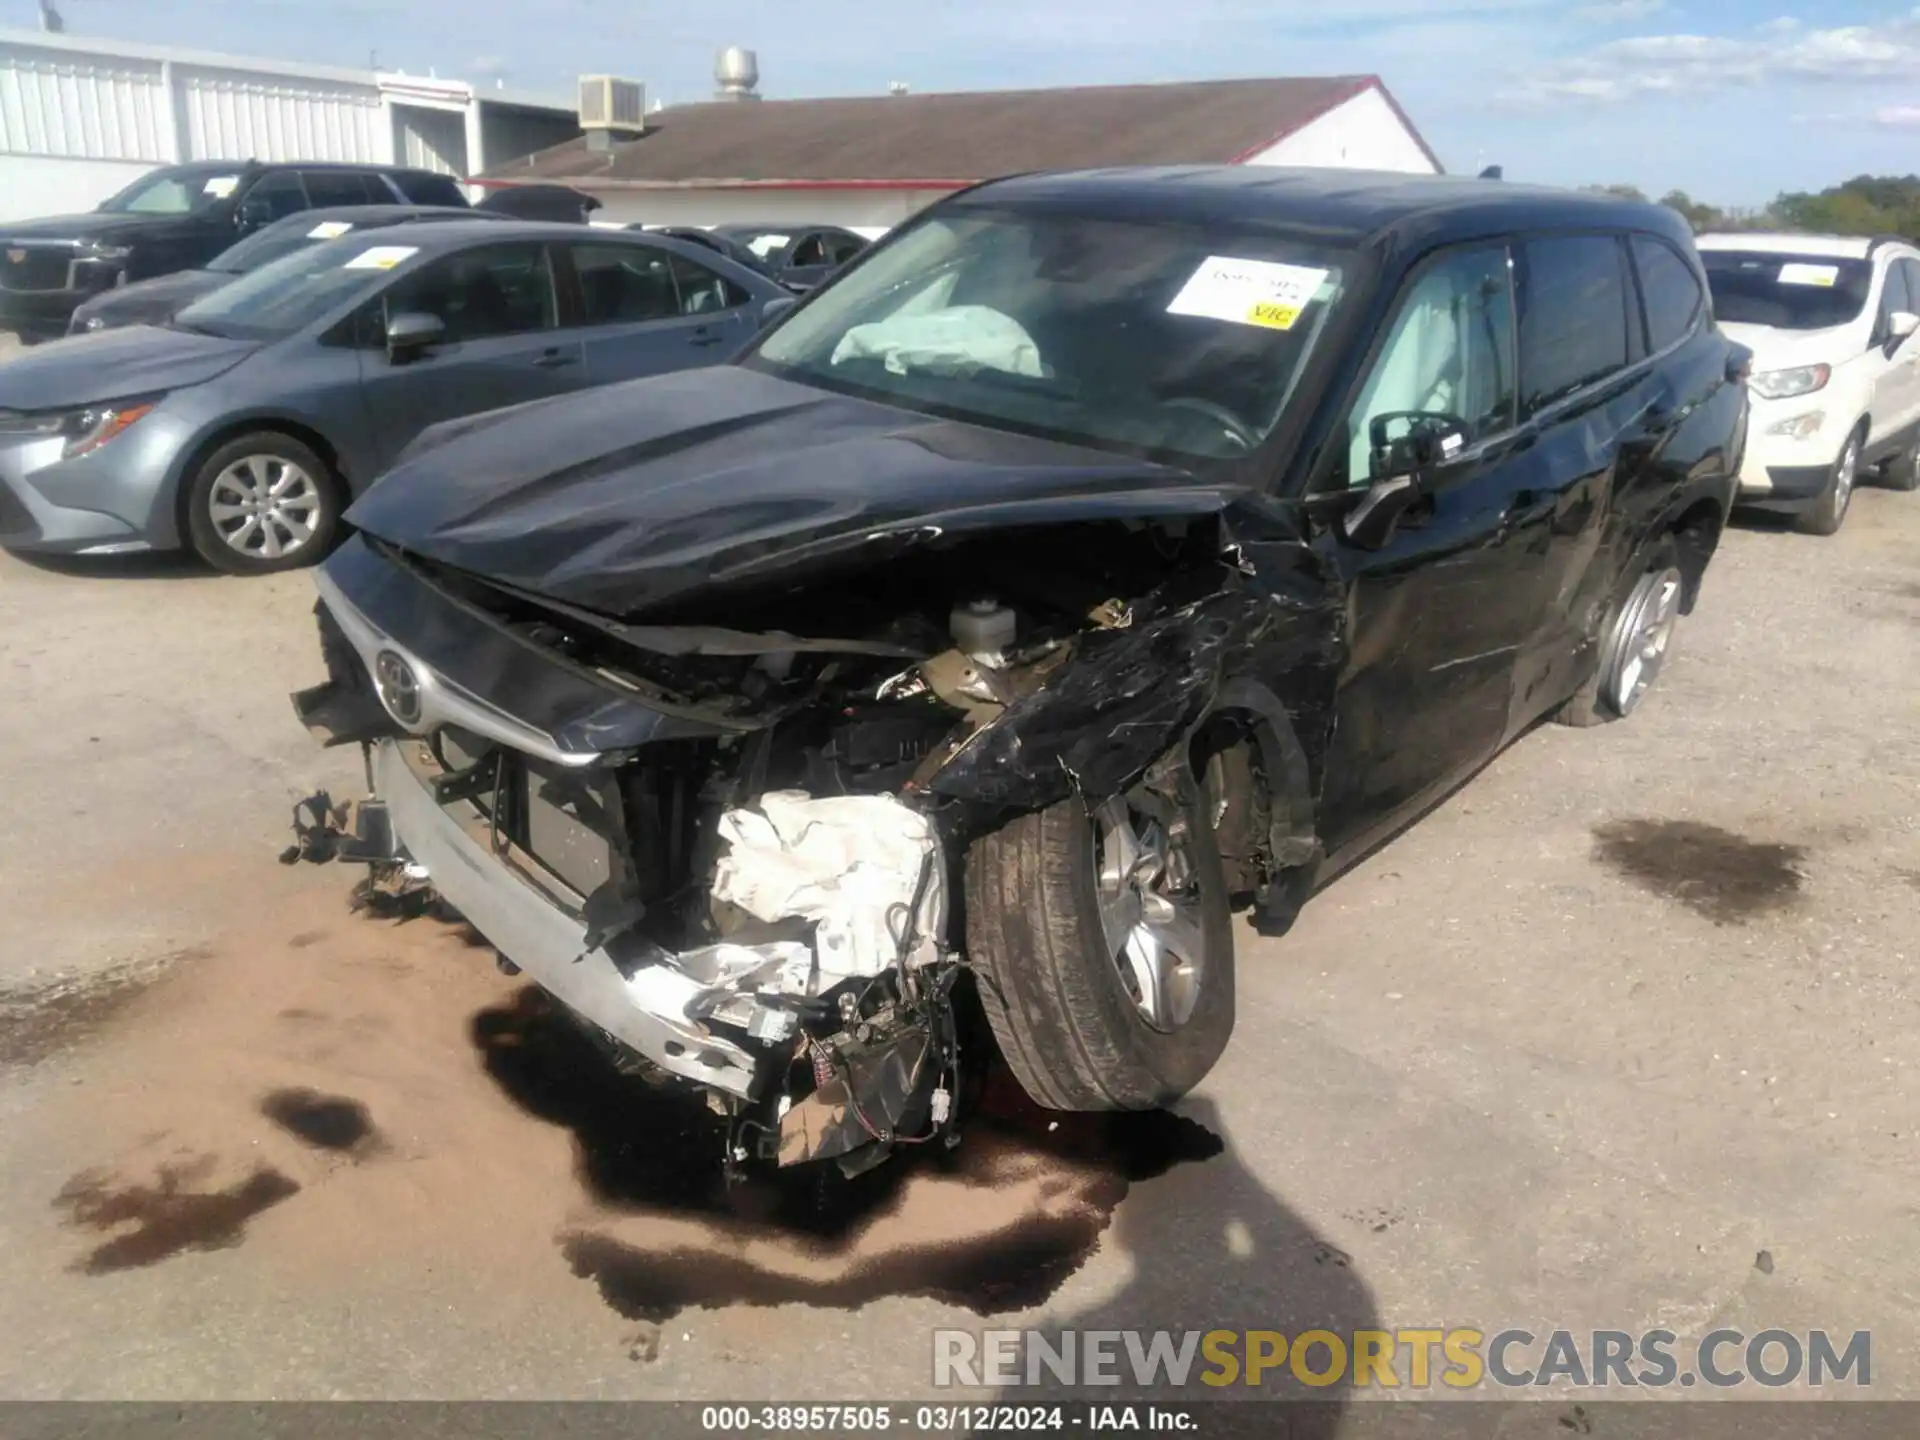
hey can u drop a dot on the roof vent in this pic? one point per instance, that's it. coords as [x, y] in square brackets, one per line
[610, 103]
[735, 74]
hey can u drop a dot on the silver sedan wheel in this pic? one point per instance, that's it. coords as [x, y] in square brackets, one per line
[1640, 645]
[1152, 924]
[1844, 474]
[265, 506]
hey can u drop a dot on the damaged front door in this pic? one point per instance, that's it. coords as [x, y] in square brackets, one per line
[1438, 612]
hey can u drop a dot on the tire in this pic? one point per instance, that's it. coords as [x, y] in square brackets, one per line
[1828, 513]
[1064, 1012]
[1902, 472]
[298, 528]
[1645, 614]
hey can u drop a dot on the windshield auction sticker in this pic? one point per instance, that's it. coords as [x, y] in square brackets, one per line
[1797, 273]
[381, 257]
[329, 229]
[1248, 292]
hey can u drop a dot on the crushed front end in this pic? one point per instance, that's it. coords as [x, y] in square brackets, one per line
[733, 849]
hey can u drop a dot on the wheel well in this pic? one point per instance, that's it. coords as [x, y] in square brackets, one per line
[292, 429]
[1696, 534]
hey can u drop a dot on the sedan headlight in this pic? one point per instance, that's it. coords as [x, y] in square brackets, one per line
[87, 430]
[82, 431]
[1785, 384]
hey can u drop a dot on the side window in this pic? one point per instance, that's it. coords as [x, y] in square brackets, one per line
[701, 291]
[338, 187]
[844, 247]
[621, 284]
[1449, 351]
[274, 196]
[812, 250]
[1669, 290]
[1573, 317]
[422, 187]
[477, 294]
[1910, 272]
[1893, 298]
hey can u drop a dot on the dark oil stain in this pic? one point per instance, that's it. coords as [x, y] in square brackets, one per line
[168, 1216]
[37, 1024]
[326, 1122]
[1716, 873]
[306, 938]
[648, 1150]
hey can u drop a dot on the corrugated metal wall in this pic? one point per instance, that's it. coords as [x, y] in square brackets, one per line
[430, 139]
[240, 115]
[94, 107]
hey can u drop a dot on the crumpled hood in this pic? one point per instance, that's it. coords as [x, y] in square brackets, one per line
[114, 365]
[620, 498]
[1788, 349]
[147, 302]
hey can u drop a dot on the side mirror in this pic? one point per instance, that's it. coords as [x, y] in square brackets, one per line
[411, 332]
[774, 309]
[1371, 523]
[1901, 325]
[1425, 440]
[252, 214]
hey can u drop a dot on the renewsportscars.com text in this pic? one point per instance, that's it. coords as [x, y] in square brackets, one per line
[1458, 1358]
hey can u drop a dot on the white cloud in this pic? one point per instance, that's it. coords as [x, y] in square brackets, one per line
[1652, 65]
[1898, 117]
[1619, 12]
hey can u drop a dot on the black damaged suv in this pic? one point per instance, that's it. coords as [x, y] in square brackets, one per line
[1096, 554]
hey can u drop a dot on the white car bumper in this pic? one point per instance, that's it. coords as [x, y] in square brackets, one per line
[1792, 446]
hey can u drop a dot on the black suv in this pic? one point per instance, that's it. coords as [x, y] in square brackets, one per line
[1101, 553]
[178, 218]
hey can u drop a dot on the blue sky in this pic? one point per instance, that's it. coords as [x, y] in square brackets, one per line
[1732, 100]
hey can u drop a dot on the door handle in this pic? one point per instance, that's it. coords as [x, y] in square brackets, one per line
[707, 335]
[554, 359]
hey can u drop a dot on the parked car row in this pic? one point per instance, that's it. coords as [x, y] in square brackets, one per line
[1098, 554]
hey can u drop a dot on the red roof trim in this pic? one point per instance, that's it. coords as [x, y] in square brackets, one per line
[1359, 86]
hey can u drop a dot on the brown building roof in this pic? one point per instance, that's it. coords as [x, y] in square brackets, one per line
[947, 140]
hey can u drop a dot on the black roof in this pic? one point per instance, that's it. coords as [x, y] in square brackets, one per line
[1337, 206]
[368, 216]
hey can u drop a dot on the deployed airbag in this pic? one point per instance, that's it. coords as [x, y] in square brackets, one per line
[960, 337]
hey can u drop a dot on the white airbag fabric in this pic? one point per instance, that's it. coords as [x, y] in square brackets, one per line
[842, 861]
[959, 337]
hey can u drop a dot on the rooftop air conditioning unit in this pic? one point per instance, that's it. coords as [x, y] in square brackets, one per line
[610, 103]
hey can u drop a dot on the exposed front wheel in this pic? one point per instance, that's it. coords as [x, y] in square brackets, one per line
[260, 503]
[1101, 938]
[1829, 512]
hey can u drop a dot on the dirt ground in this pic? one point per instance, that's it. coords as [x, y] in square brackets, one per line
[1629, 1010]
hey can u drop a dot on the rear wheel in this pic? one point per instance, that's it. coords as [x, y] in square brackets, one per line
[1827, 514]
[1902, 472]
[1102, 942]
[262, 502]
[1636, 643]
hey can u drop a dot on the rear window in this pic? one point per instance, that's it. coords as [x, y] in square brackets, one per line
[1669, 290]
[1573, 316]
[1787, 292]
[423, 188]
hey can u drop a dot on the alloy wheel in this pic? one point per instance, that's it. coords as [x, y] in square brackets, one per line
[1646, 630]
[1152, 923]
[265, 506]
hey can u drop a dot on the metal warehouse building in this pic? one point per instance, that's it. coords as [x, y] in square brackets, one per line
[871, 162]
[80, 117]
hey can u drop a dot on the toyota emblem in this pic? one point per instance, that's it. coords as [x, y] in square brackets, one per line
[399, 687]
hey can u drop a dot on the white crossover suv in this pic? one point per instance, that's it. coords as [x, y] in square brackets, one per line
[1836, 368]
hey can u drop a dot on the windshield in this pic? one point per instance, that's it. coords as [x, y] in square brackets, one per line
[294, 291]
[177, 190]
[265, 246]
[1140, 337]
[1786, 292]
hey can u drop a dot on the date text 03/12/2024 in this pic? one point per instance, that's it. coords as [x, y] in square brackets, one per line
[958, 1419]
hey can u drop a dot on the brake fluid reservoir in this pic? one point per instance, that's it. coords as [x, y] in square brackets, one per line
[982, 627]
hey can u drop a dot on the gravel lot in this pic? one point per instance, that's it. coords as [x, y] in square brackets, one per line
[1630, 1009]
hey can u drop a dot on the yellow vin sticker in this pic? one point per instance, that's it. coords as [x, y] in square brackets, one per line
[1272, 316]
